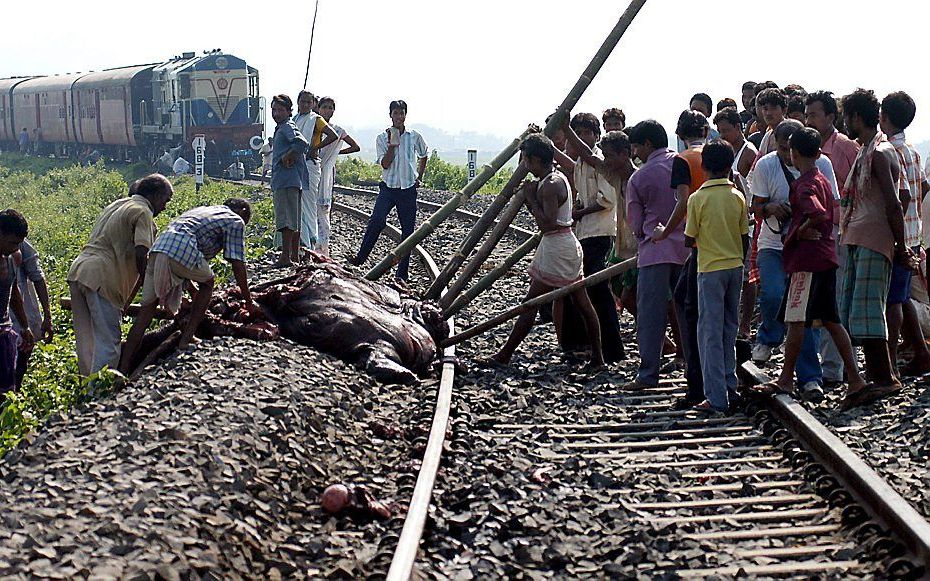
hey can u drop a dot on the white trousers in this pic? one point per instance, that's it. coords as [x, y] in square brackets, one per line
[308, 214]
[96, 329]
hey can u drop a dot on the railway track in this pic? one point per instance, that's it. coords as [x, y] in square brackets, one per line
[767, 492]
[743, 487]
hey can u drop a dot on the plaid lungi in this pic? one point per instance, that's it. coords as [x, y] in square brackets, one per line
[865, 293]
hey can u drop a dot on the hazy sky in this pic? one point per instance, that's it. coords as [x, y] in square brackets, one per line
[493, 66]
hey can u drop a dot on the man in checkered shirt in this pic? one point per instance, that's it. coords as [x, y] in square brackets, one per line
[180, 257]
[897, 112]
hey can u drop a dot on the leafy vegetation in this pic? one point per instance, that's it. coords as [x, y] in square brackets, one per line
[61, 202]
[440, 175]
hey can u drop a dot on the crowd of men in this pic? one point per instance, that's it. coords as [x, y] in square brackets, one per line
[797, 221]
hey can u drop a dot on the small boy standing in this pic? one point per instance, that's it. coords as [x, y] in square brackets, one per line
[718, 226]
[809, 258]
[288, 177]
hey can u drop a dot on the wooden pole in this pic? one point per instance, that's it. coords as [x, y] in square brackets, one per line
[475, 234]
[490, 278]
[428, 227]
[597, 62]
[533, 303]
[458, 285]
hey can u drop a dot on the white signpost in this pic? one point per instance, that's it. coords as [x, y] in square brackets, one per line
[472, 163]
[199, 144]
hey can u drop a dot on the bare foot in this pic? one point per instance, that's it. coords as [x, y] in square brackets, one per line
[493, 361]
[775, 387]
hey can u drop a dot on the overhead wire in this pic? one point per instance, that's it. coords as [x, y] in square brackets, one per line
[316, 11]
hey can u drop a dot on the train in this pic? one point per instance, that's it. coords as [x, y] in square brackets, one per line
[136, 113]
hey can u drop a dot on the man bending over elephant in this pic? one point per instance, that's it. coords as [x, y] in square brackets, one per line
[181, 257]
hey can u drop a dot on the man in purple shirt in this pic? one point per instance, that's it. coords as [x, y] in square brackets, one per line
[650, 202]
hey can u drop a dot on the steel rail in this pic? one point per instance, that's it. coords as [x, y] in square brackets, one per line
[870, 489]
[864, 483]
[521, 234]
[409, 542]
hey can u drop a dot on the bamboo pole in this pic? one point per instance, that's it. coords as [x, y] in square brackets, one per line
[459, 284]
[474, 235]
[533, 303]
[597, 62]
[406, 246]
[490, 278]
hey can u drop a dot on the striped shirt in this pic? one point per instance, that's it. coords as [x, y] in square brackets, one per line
[912, 176]
[199, 234]
[402, 173]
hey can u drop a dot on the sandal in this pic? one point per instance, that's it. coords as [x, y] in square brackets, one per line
[490, 362]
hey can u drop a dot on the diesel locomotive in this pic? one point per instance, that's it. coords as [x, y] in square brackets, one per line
[137, 112]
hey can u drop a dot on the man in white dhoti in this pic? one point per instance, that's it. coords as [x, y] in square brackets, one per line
[558, 259]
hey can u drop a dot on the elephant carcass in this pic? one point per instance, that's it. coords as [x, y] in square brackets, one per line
[322, 305]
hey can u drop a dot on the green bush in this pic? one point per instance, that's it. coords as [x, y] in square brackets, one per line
[61, 206]
[353, 170]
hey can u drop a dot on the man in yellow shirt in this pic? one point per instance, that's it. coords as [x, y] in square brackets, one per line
[718, 227]
[108, 272]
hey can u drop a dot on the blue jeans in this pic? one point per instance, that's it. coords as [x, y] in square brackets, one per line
[772, 331]
[654, 283]
[405, 200]
[718, 322]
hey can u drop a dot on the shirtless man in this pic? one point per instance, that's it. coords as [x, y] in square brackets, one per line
[558, 260]
[873, 232]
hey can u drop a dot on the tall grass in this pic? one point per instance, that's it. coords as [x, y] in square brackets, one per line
[61, 202]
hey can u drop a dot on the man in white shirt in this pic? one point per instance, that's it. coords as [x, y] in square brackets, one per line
[595, 215]
[164, 163]
[402, 154]
[236, 170]
[265, 152]
[769, 184]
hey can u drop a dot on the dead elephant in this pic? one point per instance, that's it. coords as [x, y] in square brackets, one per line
[393, 339]
[322, 305]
